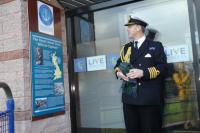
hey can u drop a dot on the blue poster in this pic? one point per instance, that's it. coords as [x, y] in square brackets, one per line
[80, 65]
[47, 75]
[112, 60]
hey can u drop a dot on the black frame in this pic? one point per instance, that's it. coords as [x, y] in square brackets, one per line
[70, 54]
[196, 62]
[99, 6]
[71, 47]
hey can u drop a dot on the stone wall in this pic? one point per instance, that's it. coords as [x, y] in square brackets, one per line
[15, 70]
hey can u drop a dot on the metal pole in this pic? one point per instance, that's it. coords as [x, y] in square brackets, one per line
[10, 109]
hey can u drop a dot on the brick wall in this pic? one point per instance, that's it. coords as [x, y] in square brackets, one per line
[5, 1]
[15, 70]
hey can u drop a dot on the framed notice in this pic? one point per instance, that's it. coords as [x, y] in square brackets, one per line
[47, 75]
[45, 18]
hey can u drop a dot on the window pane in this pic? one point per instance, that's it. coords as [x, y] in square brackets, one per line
[103, 33]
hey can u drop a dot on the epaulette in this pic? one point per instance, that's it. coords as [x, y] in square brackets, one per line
[127, 44]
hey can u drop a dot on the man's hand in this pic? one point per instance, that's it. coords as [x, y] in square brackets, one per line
[122, 76]
[135, 73]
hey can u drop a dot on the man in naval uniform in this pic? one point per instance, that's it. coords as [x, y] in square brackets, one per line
[142, 103]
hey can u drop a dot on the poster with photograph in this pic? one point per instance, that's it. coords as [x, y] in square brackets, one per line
[47, 74]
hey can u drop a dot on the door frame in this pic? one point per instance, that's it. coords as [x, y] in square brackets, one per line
[193, 11]
[71, 47]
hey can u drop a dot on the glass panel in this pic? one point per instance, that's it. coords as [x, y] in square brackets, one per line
[102, 33]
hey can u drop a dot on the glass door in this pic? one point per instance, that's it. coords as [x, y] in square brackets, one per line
[99, 36]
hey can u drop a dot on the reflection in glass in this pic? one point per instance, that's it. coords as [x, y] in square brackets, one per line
[180, 96]
[102, 33]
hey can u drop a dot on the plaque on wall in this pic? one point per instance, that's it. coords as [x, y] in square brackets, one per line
[45, 18]
[47, 75]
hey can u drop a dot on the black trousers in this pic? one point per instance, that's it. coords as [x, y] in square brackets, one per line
[142, 119]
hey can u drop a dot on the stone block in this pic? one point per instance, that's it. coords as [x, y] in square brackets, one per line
[23, 127]
[2, 68]
[14, 66]
[1, 46]
[23, 115]
[22, 104]
[12, 25]
[1, 27]
[13, 44]
[6, 36]
[57, 124]
[10, 7]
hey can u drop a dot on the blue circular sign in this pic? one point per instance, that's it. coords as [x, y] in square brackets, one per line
[46, 15]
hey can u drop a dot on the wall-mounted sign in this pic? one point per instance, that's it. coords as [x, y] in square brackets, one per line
[45, 18]
[96, 63]
[47, 75]
[178, 53]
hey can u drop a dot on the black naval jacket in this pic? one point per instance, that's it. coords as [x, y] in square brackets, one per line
[152, 60]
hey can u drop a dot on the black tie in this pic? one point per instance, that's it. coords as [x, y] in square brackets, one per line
[136, 45]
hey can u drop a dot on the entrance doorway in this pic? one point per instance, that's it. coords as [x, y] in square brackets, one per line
[99, 36]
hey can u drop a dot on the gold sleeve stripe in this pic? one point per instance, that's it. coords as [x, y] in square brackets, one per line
[150, 72]
[153, 72]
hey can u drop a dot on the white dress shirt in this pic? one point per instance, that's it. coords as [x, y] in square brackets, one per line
[140, 41]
